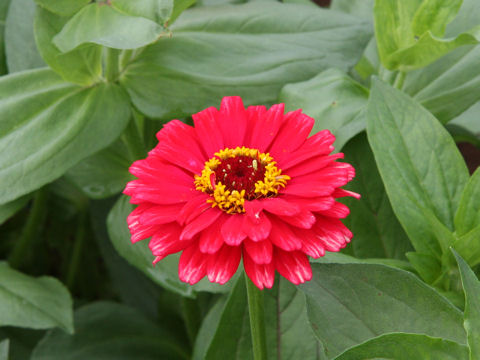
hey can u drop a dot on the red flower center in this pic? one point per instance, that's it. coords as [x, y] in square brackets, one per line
[240, 173]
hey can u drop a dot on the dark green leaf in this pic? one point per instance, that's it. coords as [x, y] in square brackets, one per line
[20, 48]
[37, 303]
[103, 25]
[333, 99]
[3, 16]
[9, 209]
[420, 165]
[377, 232]
[82, 66]
[21, 341]
[110, 331]
[403, 346]
[4, 346]
[62, 7]
[48, 125]
[471, 288]
[349, 304]
[103, 174]
[250, 50]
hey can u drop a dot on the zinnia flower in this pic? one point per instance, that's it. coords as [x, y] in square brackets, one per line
[241, 184]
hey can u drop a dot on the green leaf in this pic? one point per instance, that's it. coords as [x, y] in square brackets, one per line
[164, 273]
[4, 346]
[378, 234]
[471, 288]
[421, 167]
[158, 11]
[20, 49]
[62, 7]
[286, 43]
[103, 174]
[37, 303]
[401, 346]
[360, 8]
[101, 24]
[225, 332]
[48, 125]
[408, 32]
[468, 214]
[468, 246]
[81, 66]
[21, 341]
[107, 330]
[333, 99]
[349, 304]
[3, 15]
[427, 266]
[9, 209]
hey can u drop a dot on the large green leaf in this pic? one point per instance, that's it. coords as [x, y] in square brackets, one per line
[401, 346]
[48, 125]
[471, 288]
[102, 24]
[20, 48]
[377, 232]
[10, 208]
[468, 215]
[62, 7]
[103, 174]
[349, 304]
[225, 332]
[82, 66]
[164, 273]
[333, 99]
[37, 303]
[3, 15]
[4, 346]
[409, 32]
[423, 171]
[155, 10]
[361, 8]
[106, 330]
[250, 50]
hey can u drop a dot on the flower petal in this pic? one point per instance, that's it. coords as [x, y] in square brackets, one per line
[137, 230]
[160, 214]
[232, 121]
[211, 239]
[265, 125]
[223, 264]
[262, 275]
[166, 242]
[338, 210]
[260, 229]
[209, 134]
[282, 236]
[279, 206]
[233, 230]
[332, 233]
[192, 266]
[260, 251]
[304, 219]
[160, 192]
[196, 205]
[201, 222]
[293, 266]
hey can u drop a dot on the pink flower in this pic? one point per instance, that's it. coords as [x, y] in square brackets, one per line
[242, 183]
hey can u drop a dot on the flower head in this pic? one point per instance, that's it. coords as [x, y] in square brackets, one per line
[241, 183]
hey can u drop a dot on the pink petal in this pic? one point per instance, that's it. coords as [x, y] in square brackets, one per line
[160, 192]
[279, 206]
[338, 210]
[166, 242]
[338, 193]
[209, 134]
[282, 236]
[201, 222]
[138, 230]
[154, 168]
[332, 233]
[222, 265]
[293, 266]
[233, 231]
[211, 239]
[260, 229]
[232, 121]
[312, 204]
[266, 126]
[160, 214]
[304, 219]
[192, 266]
[311, 245]
[311, 165]
[262, 275]
[253, 209]
[307, 189]
[195, 206]
[260, 251]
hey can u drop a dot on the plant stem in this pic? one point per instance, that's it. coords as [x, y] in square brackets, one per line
[131, 136]
[191, 317]
[77, 249]
[398, 84]
[257, 320]
[30, 231]
[111, 64]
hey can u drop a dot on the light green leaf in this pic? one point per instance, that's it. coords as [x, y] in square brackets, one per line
[81, 66]
[349, 304]
[37, 303]
[155, 10]
[378, 234]
[401, 346]
[4, 346]
[471, 288]
[286, 43]
[420, 165]
[333, 99]
[468, 121]
[107, 330]
[180, 6]
[101, 24]
[468, 214]
[48, 125]
[360, 8]
[164, 273]
[9, 209]
[408, 32]
[20, 49]
[469, 246]
[103, 174]
[62, 7]
[3, 15]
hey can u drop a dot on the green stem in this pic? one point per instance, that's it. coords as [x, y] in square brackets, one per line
[257, 320]
[31, 229]
[79, 241]
[111, 64]
[131, 136]
[399, 80]
[191, 317]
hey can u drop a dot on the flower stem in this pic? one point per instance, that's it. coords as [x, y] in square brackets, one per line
[80, 236]
[111, 64]
[398, 84]
[257, 320]
[192, 318]
[31, 229]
